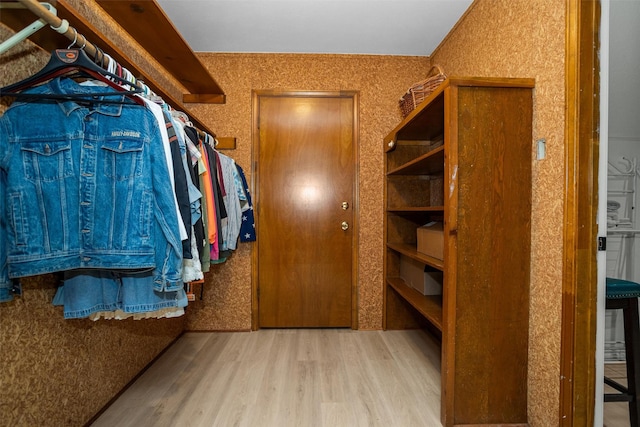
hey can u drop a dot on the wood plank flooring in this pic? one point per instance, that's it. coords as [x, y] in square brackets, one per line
[616, 414]
[277, 377]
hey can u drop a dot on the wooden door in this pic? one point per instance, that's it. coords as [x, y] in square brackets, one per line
[305, 208]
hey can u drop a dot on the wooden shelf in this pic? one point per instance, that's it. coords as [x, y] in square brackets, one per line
[146, 22]
[49, 40]
[407, 209]
[413, 253]
[430, 163]
[419, 215]
[430, 306]
[425, 122]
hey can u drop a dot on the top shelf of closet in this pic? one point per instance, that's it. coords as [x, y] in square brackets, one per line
[172, 53]
[427, 121]
[146, 22]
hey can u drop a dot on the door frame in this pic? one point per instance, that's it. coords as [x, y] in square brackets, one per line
[579, 277]
[255, 176]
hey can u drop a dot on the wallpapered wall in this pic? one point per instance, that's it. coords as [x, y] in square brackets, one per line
[526, 39]
[60, 372]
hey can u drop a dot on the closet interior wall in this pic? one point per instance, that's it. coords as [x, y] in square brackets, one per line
[57, 371]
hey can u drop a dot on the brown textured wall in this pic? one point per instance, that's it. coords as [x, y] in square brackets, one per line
[381, 80]
[56, 372]
[526, 38]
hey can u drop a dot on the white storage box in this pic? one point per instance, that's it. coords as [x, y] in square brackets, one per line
[427, 280]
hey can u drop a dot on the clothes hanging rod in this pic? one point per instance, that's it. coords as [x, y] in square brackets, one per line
[62, 26]
[27, 31]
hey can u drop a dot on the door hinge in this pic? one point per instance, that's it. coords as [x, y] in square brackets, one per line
[602, 243]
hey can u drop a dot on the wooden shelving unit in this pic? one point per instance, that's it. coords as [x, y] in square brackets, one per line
[463, 157]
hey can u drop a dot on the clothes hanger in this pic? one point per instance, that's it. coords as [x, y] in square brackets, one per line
[63, 61]
[80, 64]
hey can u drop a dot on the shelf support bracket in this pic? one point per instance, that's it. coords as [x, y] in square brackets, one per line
[27, 31]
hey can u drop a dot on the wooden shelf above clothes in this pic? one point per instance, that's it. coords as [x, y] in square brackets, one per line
[199, 81]
[146, 22]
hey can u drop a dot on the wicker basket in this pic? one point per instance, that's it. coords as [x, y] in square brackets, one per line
[419, 91]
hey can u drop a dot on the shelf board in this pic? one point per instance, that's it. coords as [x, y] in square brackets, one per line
[146, 22]
[430, 163]
[411, 252]
[411, 209]
[430, 306]
[425, 122]
[622, 231]
[419, 215]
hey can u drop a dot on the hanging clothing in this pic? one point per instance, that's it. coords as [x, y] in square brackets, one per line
[180, 184]
[88, 292]
[231, 200]
[208, 182]
[86, 188]
[193, 160]
[117, 192]
[5, 282]
[248, 227]
[159, 115]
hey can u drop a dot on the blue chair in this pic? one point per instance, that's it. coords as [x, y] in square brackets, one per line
[623, 294]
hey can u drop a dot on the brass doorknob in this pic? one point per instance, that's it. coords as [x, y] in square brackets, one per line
[345, 225]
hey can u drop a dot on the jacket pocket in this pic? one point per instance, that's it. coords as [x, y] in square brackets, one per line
[47, 161]
[123, 158]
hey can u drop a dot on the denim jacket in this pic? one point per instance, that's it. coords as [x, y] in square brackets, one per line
[5, 283]
[86, 187]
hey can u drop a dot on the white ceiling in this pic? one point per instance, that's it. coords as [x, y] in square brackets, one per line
[378, 27]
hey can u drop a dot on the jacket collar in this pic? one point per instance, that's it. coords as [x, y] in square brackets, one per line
[66, 86]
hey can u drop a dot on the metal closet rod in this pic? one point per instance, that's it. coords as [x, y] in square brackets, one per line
[62, 26]
[26, 31]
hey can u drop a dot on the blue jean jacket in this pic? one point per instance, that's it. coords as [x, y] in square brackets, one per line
[86, 187]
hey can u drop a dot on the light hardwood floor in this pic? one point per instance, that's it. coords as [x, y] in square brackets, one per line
[616, 414]
[299, 377]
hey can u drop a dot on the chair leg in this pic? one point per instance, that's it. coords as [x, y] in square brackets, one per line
[632, 350]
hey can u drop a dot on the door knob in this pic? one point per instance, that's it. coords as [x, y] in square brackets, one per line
[345, 206]
[345, 225]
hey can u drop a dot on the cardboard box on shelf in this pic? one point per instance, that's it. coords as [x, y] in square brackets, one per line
[431, 240]
[427, 280]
